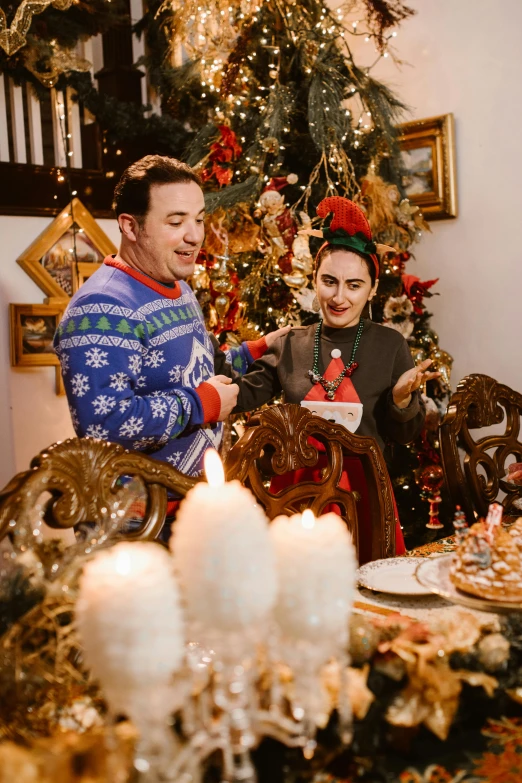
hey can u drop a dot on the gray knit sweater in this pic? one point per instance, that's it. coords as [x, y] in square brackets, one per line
[383, 355]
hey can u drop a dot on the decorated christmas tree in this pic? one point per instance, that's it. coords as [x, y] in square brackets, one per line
[284, 118]
[266, 100]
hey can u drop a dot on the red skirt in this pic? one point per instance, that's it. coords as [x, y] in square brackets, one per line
[352, 478]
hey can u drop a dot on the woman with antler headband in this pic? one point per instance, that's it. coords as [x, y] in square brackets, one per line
[345, 357]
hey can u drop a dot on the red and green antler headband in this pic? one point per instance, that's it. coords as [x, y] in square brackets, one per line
[349, 228]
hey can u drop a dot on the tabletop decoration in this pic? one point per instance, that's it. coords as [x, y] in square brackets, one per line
[316, 566]
[269, 660]
[226, 567]
[44, 686]
[431, 479]
[224, 561]
[131, 629]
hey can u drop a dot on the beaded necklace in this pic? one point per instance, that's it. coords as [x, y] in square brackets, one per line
[331, 387]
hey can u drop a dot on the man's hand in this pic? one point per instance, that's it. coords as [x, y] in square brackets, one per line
[227, 391]
[410, 381]
[272, 336]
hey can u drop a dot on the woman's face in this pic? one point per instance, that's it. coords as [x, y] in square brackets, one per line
[343, 286]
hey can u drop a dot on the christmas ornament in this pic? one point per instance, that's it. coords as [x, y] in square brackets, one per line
[398, 307]
[396, 222]
[364, 639]
[289, 249]
[222, 305]
[270, 144]
[431, 479]
[442, 362]
[493, 652]
[460, 524]
[200, 279]
[221, 280]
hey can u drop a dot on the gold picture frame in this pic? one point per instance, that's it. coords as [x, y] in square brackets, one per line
[51, 261]
[83, 270]
[32, 328]
[428, 157]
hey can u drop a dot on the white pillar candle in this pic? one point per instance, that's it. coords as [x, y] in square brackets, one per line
[316, 567]
[223, 554]
[130, 623]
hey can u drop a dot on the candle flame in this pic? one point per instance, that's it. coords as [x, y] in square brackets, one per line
[214, 468]
[123, 563]
[308, 519]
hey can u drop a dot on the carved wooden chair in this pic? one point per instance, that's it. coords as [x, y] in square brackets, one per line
[277, 440]
[474, 462]
[81, 475]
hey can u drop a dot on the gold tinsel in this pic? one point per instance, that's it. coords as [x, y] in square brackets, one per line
[14, 37]
[41, 670]
[59, 62]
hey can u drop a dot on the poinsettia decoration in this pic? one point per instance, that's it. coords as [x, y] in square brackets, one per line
[223, 153]
[416, 290]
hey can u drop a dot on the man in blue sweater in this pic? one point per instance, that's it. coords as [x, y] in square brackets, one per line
[138, 365]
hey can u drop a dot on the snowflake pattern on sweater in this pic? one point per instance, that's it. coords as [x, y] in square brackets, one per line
[134, 355]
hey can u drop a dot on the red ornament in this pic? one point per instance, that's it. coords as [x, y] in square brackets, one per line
[431, 480]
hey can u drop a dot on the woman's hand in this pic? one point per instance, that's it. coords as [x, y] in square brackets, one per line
[410, 381]
[271, 337]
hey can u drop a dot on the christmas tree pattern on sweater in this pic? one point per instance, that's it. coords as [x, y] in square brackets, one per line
[135, 356]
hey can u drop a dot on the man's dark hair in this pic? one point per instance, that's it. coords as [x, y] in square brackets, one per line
[132, 193]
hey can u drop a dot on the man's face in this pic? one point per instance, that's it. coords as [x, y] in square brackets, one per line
[168, 242]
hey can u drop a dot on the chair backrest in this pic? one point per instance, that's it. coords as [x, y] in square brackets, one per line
[474, 465]
[278, 440]
[81, 475]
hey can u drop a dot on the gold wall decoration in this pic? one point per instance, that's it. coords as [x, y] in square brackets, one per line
[53, 262]
[59, 261]
[428, 156]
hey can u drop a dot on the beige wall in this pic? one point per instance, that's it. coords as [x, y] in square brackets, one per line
[465, 57]
[31, 415]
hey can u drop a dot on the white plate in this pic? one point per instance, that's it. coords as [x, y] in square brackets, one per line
[393, 575]
[434, 573]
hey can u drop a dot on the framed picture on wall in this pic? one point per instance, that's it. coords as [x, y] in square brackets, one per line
[72, 240]
[428, 157]
[32, 329]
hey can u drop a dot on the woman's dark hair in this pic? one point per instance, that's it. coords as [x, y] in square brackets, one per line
[328, 250]
[132, 193]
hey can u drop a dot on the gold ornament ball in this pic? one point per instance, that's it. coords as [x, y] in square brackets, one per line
[223, 286]
[364, 638]
[272, 74]
[493, 652]
[222, 305]
[200, 278]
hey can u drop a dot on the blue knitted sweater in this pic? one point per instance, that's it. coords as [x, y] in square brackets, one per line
[134, 356]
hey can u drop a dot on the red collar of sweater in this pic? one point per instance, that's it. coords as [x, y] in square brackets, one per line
[164, 290]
